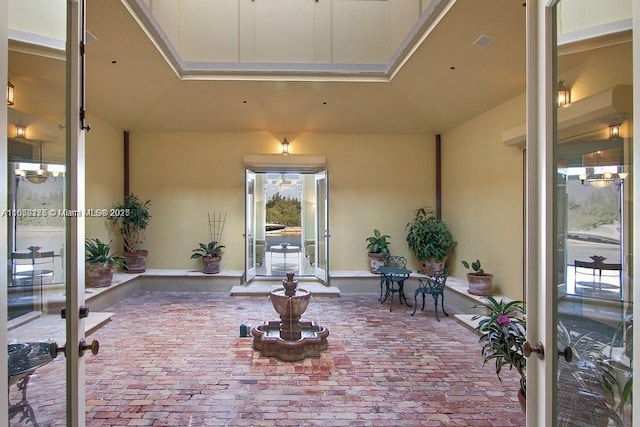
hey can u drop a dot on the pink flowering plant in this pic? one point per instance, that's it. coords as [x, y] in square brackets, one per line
[502, 331]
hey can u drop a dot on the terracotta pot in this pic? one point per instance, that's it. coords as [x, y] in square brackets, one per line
[481, 285]
[99, 278]
[376, 260]
[523, 400]
[135, 262]
[433, 265]
[210, 265]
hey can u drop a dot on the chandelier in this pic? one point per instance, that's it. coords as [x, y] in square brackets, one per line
[603, 176]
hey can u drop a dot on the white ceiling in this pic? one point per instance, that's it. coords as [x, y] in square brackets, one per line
[446, 81]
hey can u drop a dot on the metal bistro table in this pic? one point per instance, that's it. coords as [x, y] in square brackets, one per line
[24, 359]
[284, 249]
[391, 275]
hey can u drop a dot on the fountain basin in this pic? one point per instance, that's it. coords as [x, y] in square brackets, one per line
[290, 306]
[267, 340]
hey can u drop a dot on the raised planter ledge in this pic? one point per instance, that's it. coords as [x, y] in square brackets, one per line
[168, 280]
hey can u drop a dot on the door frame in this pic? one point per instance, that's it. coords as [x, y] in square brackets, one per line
[4, 241]
[540, 170]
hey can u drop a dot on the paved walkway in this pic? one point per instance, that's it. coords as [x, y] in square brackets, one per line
[176, 359]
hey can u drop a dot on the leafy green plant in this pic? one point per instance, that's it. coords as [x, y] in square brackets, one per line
[132, 218]
[99, 253]
[211, 250]
[378, 243]
[475, 266]
[428, 237]
[502, 331]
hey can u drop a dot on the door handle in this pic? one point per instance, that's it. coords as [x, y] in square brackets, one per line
[55, 349]
[538, 349]
[94, 347]
[567, 353]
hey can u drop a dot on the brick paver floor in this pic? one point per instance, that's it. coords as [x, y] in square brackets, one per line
[176, 359]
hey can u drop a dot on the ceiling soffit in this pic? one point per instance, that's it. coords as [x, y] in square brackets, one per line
[324, 71]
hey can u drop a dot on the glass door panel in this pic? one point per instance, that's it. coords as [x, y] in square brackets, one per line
[250, 223]
[593, 217]
[35, 198]
[322, 228]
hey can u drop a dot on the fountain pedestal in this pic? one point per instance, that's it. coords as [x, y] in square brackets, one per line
[290, 339]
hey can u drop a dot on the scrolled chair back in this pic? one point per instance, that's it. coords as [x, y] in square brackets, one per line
[439, 278]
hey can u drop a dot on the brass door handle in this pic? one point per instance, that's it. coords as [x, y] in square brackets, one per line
[538, 349]
[94, 347]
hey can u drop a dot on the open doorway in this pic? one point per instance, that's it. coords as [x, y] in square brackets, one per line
[286, 224]
[283, 248]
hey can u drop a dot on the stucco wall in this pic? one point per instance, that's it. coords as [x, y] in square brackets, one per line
[375, 181]
[482, 183]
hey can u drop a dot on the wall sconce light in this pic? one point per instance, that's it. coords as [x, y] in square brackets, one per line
[285, 146]
[10, 92]
[564, 94]
[21, 131]
[614, 131]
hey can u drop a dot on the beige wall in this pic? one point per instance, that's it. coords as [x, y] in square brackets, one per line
[483, 196]
[104, 177]
[374, 182]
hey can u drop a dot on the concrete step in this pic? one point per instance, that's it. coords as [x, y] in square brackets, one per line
[264, 287]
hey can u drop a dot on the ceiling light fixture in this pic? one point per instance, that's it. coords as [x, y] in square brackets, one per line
[603, 177]
[564, 94]
[10, 92]
[285, 146]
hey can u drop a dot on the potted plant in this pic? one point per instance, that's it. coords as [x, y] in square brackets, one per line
[132, 218]
[502, 329]
[210, 254]
[480, 283]
[378, 247]
[100, 262]
[429, 239]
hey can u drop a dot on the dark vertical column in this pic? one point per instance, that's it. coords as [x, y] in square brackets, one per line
[438, 177]
[126, 163]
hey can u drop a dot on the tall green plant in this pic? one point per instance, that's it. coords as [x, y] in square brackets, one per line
[132, 218]
[429, 237]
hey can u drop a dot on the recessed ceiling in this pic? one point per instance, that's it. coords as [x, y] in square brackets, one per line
[440, 81]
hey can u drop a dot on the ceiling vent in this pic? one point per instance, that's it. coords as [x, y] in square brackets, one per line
[484, 41]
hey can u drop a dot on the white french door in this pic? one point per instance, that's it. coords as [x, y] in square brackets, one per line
[586, 328]
[44, 369]
[250, 225]
[322, 227]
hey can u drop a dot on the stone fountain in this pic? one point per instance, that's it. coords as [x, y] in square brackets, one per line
[290, 339]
